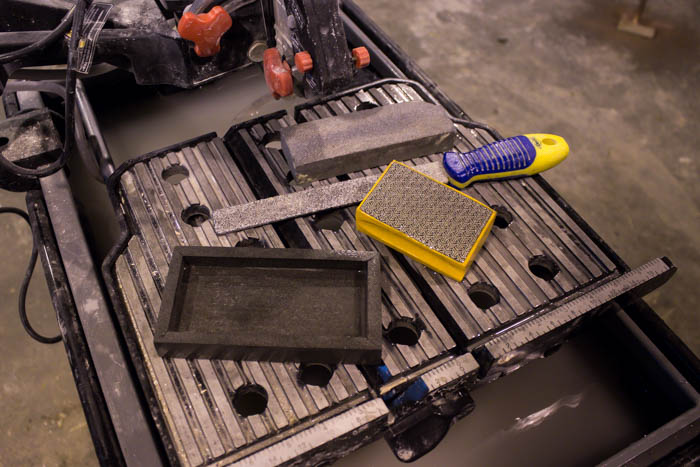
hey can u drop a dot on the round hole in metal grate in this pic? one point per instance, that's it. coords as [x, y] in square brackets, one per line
[250, 399]
[503, 216]
[250, 242]
[196, 214]
[315, 374]
[329, 220]
[272, 140]
[403, 331]
[543, 267]
[365, 106]
[175, 174]
[484, 295]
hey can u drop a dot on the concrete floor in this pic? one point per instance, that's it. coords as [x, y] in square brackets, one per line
[625, 104]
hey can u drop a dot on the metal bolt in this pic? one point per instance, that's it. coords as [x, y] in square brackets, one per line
[256, 50]
[291, 22]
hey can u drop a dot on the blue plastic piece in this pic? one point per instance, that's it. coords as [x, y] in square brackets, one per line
[384, 373]
[413, 393]
[508, 155]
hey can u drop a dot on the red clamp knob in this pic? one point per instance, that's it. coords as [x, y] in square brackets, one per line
[303, 61]
[205, 30]
[360, 56]
[278, 74]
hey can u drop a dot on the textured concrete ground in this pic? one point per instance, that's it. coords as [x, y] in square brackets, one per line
[627, 106]
[41, 417]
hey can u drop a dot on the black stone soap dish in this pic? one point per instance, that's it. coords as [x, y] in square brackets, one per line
[271, 304]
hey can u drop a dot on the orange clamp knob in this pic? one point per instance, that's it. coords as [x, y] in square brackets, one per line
[278, 75]
[360, 56]
[205, 30]
[303, 61]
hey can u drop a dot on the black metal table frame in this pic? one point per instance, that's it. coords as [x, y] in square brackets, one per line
[653, 337]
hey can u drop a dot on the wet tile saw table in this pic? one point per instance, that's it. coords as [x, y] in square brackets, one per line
[623, 389]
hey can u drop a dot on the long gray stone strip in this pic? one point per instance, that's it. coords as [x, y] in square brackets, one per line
[302, 203]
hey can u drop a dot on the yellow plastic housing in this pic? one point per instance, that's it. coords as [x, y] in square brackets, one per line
[414, 249]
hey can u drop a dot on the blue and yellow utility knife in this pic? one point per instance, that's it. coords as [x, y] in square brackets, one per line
[511, 157]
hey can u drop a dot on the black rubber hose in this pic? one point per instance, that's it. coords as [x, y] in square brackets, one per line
[42, 43]
[69, 112]
[25, 284]
[477, 125]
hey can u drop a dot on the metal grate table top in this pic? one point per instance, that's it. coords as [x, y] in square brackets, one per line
[167, 199]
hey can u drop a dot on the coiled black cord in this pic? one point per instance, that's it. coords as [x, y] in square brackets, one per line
[25, 284]
[69, 113]
[42, 43]
[478, 125]
[74, 19]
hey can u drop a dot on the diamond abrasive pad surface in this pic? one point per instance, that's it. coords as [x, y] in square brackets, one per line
[440, 218]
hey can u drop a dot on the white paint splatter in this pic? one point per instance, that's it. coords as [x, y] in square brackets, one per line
[538, 417]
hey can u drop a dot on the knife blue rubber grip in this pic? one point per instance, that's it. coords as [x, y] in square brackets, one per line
[511, 157]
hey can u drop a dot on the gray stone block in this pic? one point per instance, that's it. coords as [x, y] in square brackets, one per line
[305, 202]
[369, 138]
